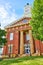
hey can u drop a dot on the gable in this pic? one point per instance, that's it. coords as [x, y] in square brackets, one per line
[19, 22]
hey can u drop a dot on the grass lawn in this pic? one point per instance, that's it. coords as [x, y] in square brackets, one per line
[28, 60]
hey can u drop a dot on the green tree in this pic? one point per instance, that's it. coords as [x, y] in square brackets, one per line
[37, 19]
[2, 37]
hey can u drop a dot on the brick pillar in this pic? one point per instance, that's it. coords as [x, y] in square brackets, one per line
[21, 43]
[31, 42]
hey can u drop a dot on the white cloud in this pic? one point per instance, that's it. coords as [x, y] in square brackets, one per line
[3, 12]
[8, 5]
[6, 15]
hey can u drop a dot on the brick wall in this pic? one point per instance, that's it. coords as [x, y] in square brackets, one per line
[39, 46]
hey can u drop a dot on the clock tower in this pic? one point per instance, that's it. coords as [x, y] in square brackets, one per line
[27, 10]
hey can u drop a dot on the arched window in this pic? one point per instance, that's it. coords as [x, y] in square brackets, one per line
[25, 21]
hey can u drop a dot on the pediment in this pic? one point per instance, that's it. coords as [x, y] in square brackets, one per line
[23, 20]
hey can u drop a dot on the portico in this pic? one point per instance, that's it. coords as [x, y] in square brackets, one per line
[28, 47]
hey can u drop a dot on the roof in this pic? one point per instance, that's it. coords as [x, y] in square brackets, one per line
[15, 22]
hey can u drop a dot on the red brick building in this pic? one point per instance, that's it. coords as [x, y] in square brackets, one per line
[20, 40]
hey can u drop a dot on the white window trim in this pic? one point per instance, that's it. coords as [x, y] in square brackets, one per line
[10, 48]
[27, 37]
[11, 36]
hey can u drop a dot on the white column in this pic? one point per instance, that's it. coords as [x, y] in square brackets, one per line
[21, 43]
[31, 42]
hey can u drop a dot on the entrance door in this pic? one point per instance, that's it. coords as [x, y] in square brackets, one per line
[27, 48]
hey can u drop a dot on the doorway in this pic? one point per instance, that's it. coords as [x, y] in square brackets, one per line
[27, 48]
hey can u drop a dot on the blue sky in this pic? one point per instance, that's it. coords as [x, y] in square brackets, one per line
[10, 10]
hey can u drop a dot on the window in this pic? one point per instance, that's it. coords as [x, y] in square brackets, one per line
[24, 21]
[10, 48]
[11, 36]
[27, 37]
